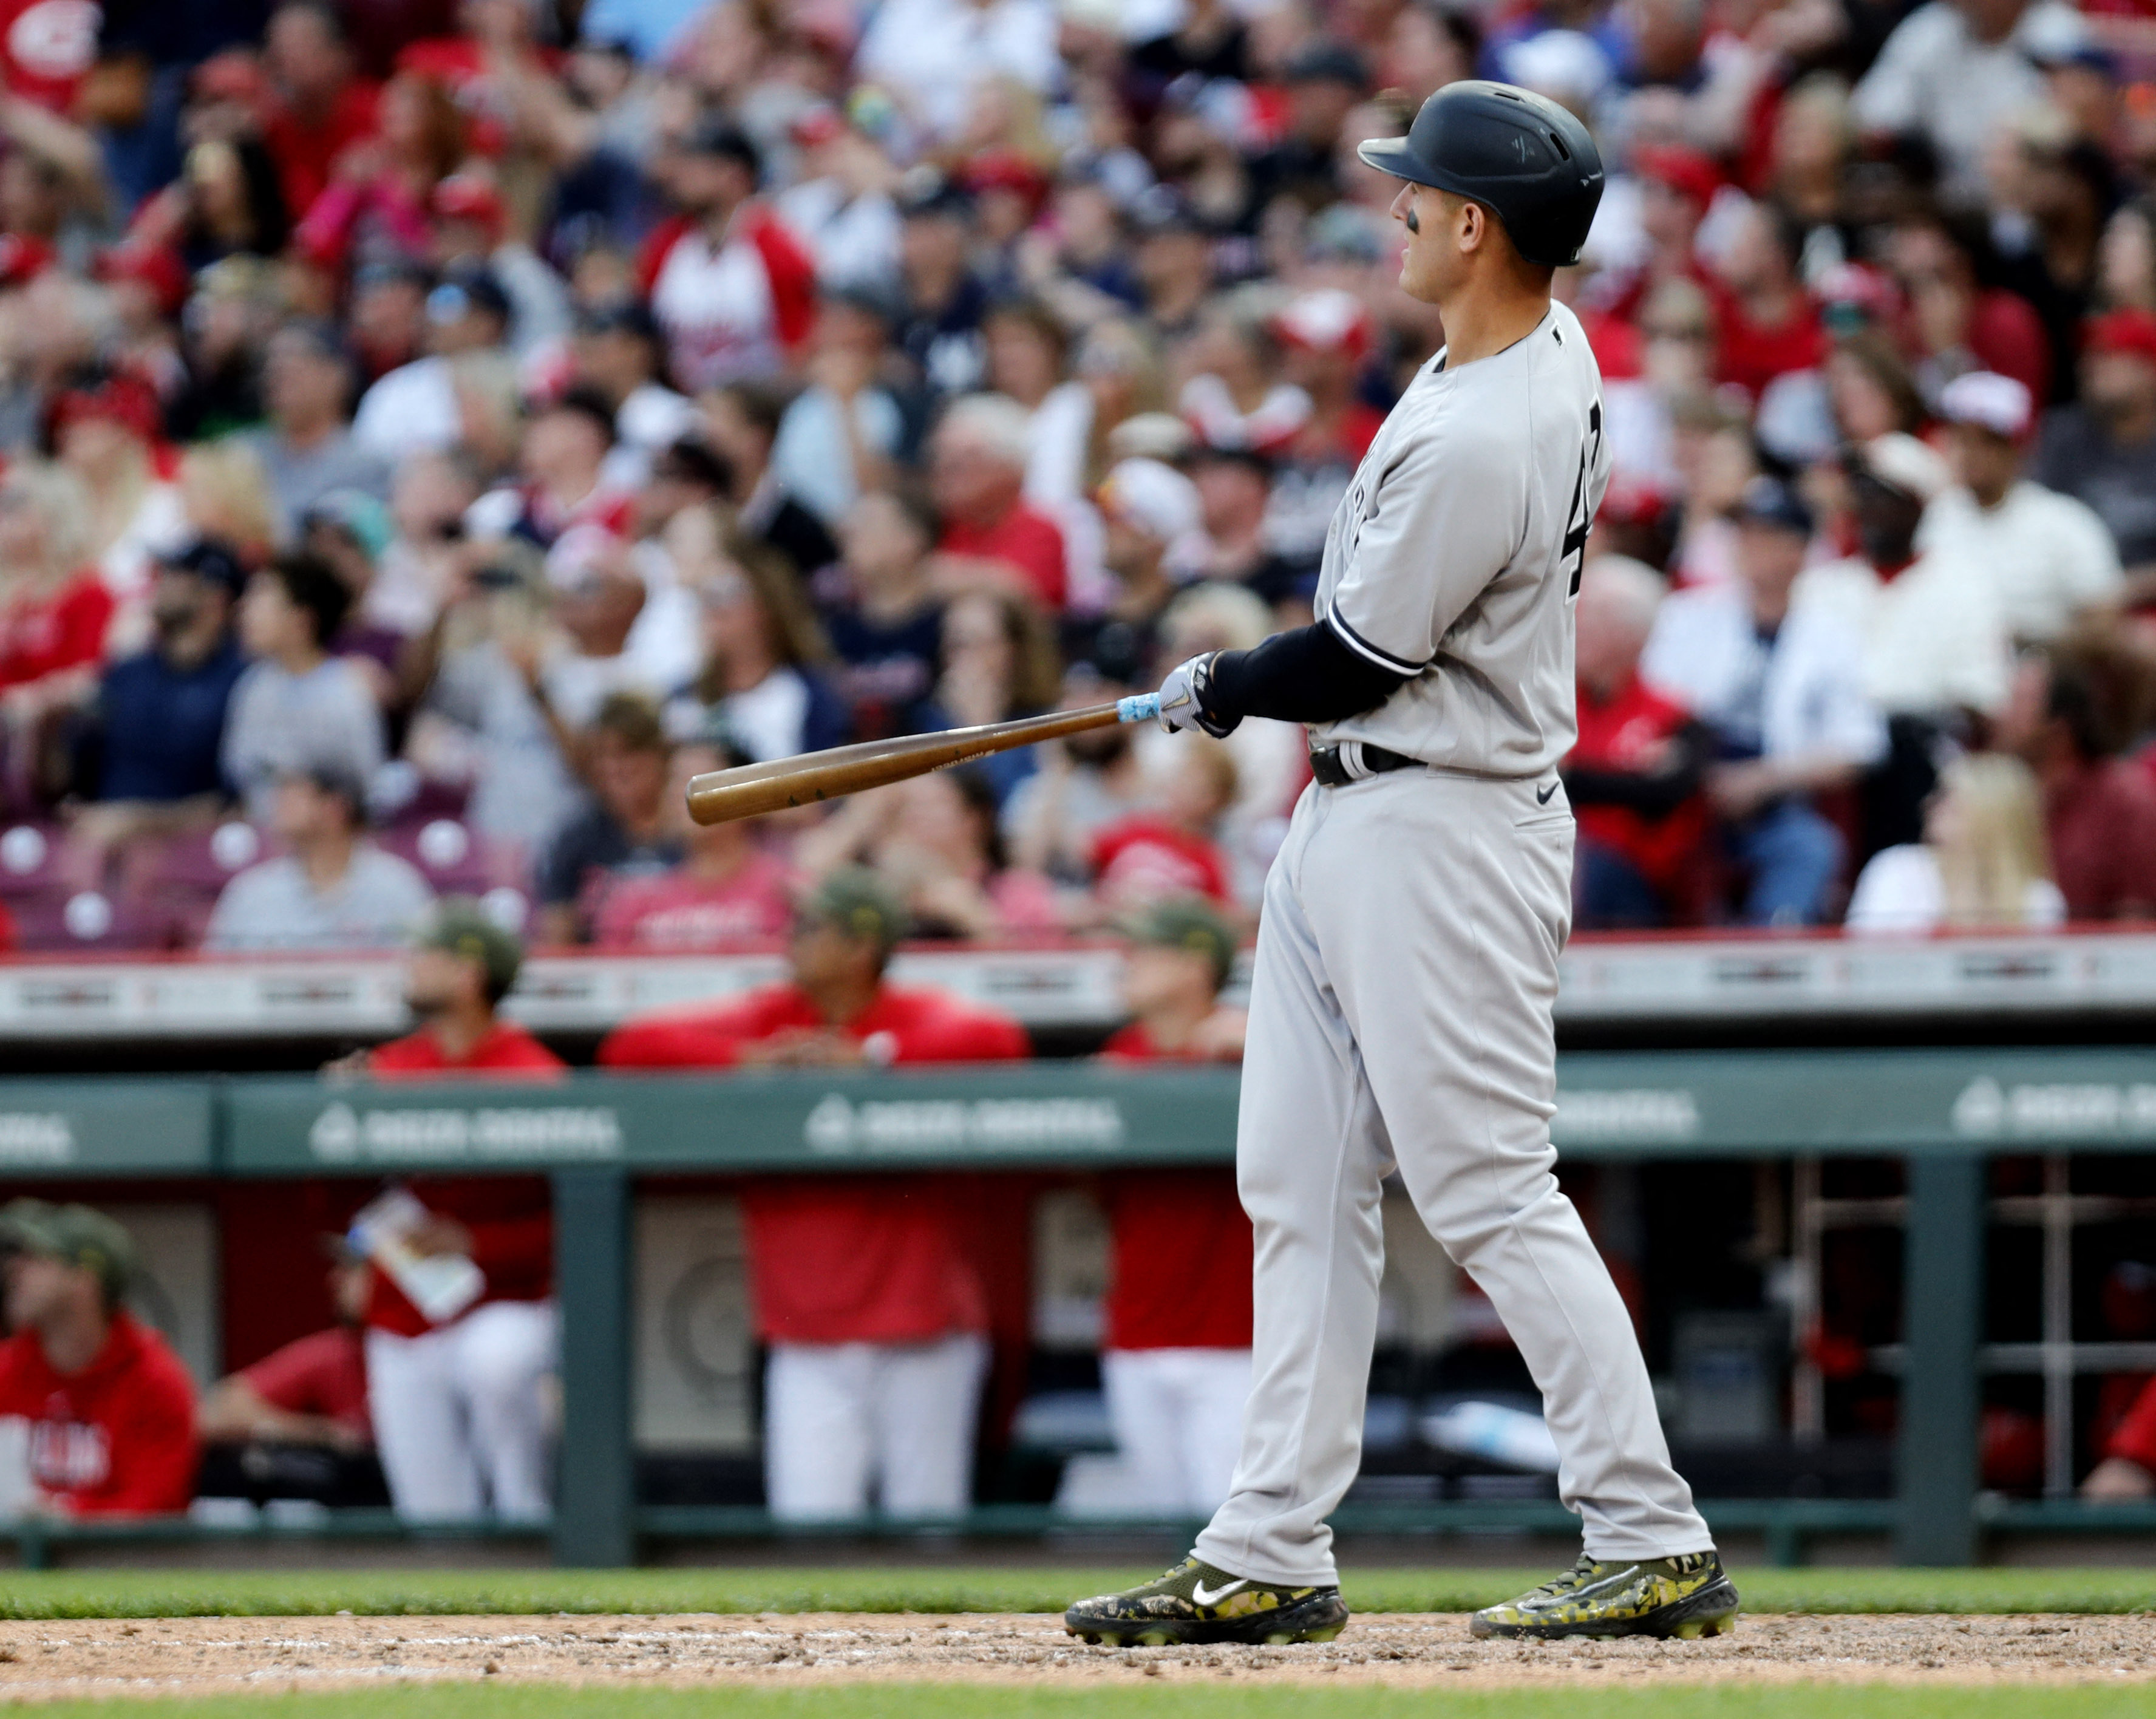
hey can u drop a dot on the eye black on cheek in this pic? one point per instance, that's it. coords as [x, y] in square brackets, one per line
[1413, 224]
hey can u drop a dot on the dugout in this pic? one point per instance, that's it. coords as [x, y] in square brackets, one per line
[1948, 1118]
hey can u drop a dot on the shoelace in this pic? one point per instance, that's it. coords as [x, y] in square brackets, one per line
[1573, 1577]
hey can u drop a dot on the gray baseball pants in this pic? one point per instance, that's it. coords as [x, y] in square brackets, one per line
[1400, 1015]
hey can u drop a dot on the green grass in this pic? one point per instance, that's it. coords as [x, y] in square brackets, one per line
[163, 1593]
[949, 1701]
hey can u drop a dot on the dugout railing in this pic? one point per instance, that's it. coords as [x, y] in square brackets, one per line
[1946, 1113]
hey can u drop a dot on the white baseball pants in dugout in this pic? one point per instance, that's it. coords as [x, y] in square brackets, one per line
[1400, 1013]
[462, 1419]
[845, 1421]
[1177, 1415]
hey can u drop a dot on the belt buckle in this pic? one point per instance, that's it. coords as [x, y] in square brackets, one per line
[1327, 768]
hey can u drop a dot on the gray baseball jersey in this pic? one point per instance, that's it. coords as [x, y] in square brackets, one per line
[1455, 555]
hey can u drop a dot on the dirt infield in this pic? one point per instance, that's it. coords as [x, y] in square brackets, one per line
[218, 1655]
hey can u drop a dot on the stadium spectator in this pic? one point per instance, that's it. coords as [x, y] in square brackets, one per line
[1937, 656]
[103, 428]
[1155, 539]
[873, 1315]
[744, 421]
[619, 354]
[111, 1409]
[1954, 75]
[1170, 847]
[2073, 708]
[977, 472]
[887, 622]
[1085, 782]
[331, 889]
[1635, 777]
[934, 841]
[1981, 866]
[1780, 685]
[729, 889]
[733, 288]
[415, 405]
[2102, 450]
[306, 448]
[460, 1403]
[998, 664]
[764, 653]
[55, 612]
[150, 756]
[2049, 556]
[1175, 1358]
[324, 107]
[623, 832]
[297, 707]
[296, 1423]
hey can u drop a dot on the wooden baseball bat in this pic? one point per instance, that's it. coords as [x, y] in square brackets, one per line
[720, 796]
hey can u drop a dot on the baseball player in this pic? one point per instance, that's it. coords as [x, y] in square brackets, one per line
[1407, 957]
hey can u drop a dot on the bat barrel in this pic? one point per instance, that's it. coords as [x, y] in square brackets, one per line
[753, 790]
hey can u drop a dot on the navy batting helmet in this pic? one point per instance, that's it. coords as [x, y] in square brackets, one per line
[1521, 156]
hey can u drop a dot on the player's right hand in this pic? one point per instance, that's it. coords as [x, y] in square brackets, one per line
[1182, 700]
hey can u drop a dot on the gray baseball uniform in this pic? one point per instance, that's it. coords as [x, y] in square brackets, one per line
[1407, 964]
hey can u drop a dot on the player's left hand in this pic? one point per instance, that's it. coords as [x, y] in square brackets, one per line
[1182, 700]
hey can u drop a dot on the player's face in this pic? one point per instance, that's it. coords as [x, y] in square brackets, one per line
[1437, 226]
[437, 980]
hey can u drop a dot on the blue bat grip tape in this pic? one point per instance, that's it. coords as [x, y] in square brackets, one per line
[1140, 707]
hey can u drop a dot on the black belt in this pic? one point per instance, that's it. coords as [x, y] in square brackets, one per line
[1326, 765]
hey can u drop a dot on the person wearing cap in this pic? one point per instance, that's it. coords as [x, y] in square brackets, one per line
[110, 1408]
[861, 1286]
[415, 406]
[2049, 555]
[104, 427]
[942, 299]
[458, 1405]
[1175, 1357]
[297, 705]
[1154, 540]
[842, 204]
[331, 889]
[153, 749]
[619, 354]
[1780, 683]
[732, 287]
[729, 889]
[2102, 450]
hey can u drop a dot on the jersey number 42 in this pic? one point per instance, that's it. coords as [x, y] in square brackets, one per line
[1580, 520]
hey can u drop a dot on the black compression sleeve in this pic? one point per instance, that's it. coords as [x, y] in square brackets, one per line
[1307, 676]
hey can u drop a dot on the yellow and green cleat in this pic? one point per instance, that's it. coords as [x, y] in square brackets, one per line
[1195, 1603]
[1686, 1598]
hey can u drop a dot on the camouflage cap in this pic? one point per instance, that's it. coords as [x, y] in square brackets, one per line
[860, 904]
[75, 1233]
[1188, 922]
[461, 926]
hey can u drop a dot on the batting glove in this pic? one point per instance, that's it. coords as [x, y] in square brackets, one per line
[1183, 697]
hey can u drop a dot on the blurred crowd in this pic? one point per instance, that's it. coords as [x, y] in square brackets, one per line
[433, 431]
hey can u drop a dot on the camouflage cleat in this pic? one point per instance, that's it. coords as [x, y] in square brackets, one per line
[1195, 1603]
[1686, 1597]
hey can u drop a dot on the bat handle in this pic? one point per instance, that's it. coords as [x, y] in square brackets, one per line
[1140, 707]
